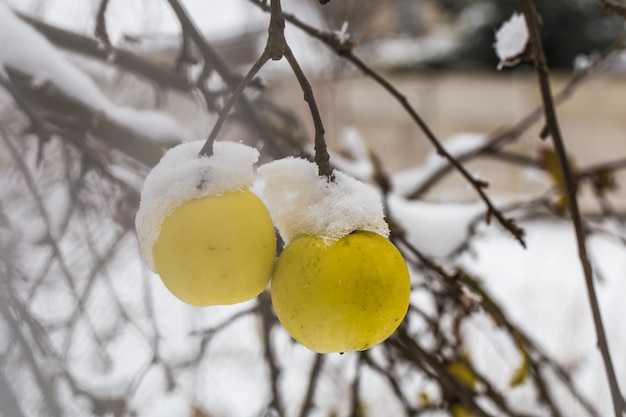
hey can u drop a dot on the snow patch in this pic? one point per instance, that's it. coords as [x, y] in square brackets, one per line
[183, 175]
[435, 229]
[304, 203]
[511, 39]
[24, 49]
[353, 156]
[405, 182]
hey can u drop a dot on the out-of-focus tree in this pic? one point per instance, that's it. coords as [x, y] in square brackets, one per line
[85, 329]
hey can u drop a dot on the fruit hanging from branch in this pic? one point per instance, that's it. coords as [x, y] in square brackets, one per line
[210, 238]
[341, 295]
[339, 285]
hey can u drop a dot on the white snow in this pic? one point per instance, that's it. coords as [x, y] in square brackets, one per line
[24, 49]
[436, 229]
[404, 182]
[511, 38]
[183, 175]
[542, 289]
[352, 155]
[342, 34]
[303, 203]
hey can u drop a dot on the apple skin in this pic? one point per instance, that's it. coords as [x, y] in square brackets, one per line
[216, 249]
[344, 295]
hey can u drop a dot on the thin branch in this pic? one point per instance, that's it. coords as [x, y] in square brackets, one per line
[8, 399]
[413, 352]
[101, 26]
[322, 158]
[41, 208]
[267, 322]
[500, 139]
[275, 49]
[355, 392]
[454, 282]
[36, 124]
[344, 49]
[211, 332]
[611, 6]
[124, 59]
[47, 388]
[307, 404]
[207, 148]
[231, 79]
[208, 52]
[552, 128]
[391, 379]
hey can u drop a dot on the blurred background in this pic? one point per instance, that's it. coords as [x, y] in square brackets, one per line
[89, 101]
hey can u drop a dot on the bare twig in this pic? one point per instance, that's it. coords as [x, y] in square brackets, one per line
[231, 79]
[553, 129]
[411, 351]
[122, 58]
[344, 49]
[391, 379]
[37, 125]
[499, 139]
[322, 159]
[453, 283]
[355, 392]
[275, 49]
[47, 388]
[307, 404]
[8, 399]
[208, 52]
[611, 6]
[101, 26]
[32, 187]
[207, 148]
[267, 322]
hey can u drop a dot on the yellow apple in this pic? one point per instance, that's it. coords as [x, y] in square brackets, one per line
[340, 295]
[216, 249]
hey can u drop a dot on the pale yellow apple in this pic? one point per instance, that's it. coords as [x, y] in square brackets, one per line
[216, 249]
[340, 295]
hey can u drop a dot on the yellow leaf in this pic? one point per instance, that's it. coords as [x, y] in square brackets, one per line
[462, 373]
[550, 162]
[521, 373]
[459, 410]
[424, 399]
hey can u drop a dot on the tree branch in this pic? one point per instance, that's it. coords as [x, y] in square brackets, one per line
[124, 59]
[207, 148]
[552, 128]
[68, 118]
[101, 26]
[498, 140]
[322, 158]
[307, 404]
[267, 322]
[275, 49]
[344, 49]
[611, 6]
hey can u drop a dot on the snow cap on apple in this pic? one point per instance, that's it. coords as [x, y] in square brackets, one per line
[183, 175]
[304, 203]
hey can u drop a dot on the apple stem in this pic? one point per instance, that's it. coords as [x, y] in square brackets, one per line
[275, 49]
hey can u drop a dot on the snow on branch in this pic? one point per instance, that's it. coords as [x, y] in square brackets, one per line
[26, 51]
[511, 40]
